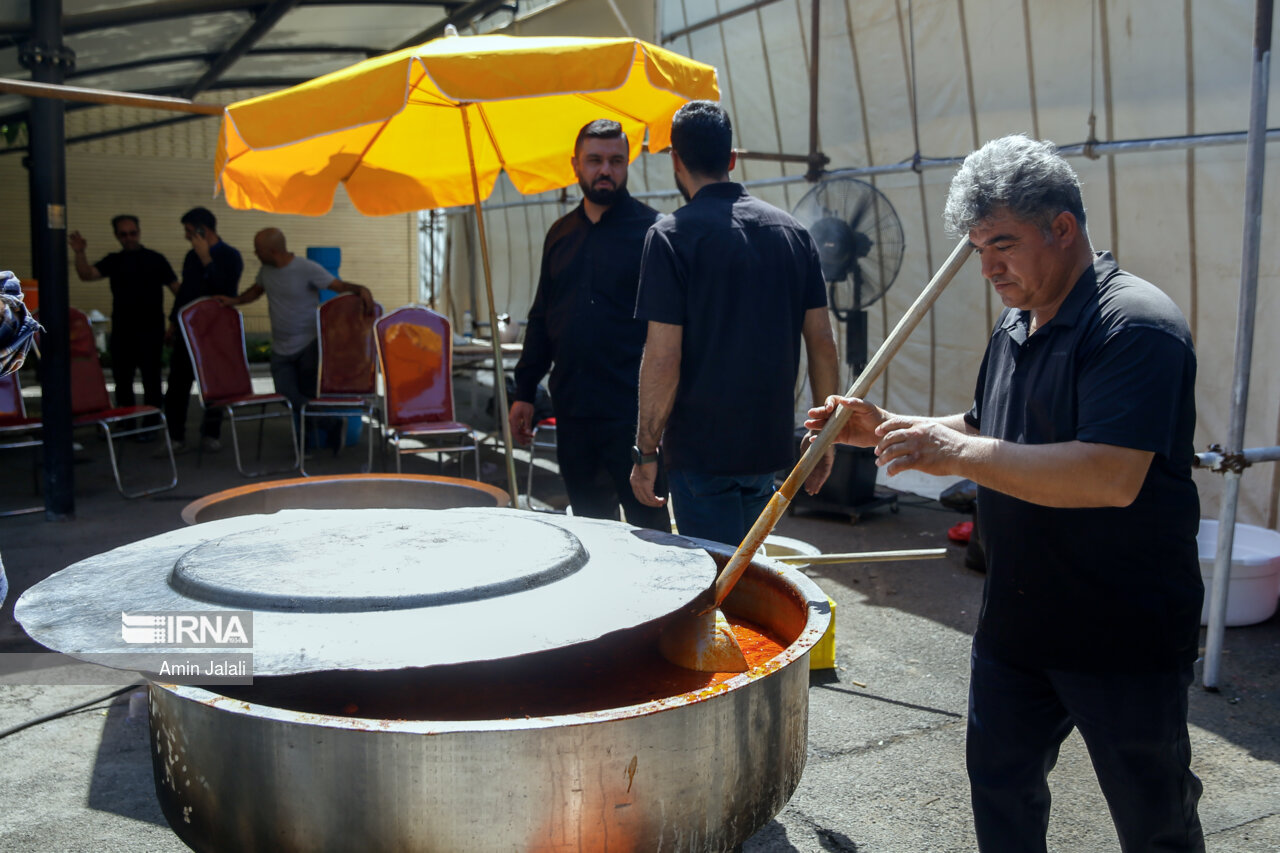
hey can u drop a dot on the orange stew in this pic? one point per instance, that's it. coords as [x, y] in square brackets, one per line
[613, 672]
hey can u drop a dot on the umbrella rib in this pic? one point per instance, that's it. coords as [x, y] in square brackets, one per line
[613, 108]
[383, 126]
[493, 138]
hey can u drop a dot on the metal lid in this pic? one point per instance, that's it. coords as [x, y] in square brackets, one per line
[377, 589]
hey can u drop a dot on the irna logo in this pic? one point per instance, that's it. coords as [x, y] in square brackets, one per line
[188, 628]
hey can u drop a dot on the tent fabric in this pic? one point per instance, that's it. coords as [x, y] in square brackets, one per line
[1143, 68]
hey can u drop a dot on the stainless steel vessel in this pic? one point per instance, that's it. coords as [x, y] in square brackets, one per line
[345, 491]
[701, 771]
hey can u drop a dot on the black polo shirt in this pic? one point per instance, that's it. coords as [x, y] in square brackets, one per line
[581, 324]
[138, 281]
[1106, 588]
[738, 274]
[220, 278]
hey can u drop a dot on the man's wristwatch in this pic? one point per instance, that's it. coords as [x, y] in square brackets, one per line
[641, 458]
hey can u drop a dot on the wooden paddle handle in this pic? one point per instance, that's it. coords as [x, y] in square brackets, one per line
[822, 441]
[864, 556]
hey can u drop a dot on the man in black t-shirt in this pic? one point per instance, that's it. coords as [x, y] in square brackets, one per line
[211, 268]
[583, 330]
[138, 277]
[1080, 441]
[731, 287]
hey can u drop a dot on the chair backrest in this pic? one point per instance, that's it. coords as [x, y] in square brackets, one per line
[415, 348]
[12, 407]
[348, 354]
[88, 384]
[215, 339]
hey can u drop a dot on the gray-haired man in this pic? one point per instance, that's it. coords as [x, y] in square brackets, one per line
[1080, 439]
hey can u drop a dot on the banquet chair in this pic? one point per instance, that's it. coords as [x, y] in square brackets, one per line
[347, 379]
[415, 350]
[544, 437]
[215, 339]
[91, 405]
[18, 431]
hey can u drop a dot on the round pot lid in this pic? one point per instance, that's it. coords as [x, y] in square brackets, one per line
[376, 589]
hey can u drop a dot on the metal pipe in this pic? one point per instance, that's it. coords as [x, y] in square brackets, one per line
[60, 92]
[47, 59]
[1217, 460]
[1166, 143]
[1255, 169]
[716, 19]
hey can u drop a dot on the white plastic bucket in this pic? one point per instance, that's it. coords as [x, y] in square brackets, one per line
[1255, 572]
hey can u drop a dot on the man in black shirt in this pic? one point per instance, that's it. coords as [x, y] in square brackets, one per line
[1080, 440]
[730, 287]
[581, 327]
[211, 268]
[138, 278]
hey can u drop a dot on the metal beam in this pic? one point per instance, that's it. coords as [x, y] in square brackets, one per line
[170, 9]
[717, 19]
[47, 60]
[119, 131]
[104, 96]
[266, 19]
[209, 57]
[461, 17]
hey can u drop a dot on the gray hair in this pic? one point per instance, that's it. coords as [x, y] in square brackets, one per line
[1022, 176]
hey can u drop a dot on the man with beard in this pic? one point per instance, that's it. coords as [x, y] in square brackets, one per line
[138, 277]
[730, 286]
[581, 327]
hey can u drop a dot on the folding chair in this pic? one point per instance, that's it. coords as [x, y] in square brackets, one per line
[347, 381]
[91, 404]
[415, 349]
[18, 431]
[544, 436]
[215, 339]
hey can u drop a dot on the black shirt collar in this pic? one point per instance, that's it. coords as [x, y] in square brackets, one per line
[721, 189]
[1104, 266]
[622, 202]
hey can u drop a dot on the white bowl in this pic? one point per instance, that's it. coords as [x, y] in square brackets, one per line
[1255, 572]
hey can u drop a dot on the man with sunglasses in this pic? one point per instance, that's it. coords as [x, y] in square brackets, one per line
[138, 277]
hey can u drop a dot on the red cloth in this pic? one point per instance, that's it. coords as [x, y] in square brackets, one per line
[961, 532]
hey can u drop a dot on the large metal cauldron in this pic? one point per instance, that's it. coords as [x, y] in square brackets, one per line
[701, 771]
[345, 491]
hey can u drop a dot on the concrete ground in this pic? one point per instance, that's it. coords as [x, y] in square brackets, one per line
[885, 770]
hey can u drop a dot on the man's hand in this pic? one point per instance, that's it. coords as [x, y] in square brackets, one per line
[643, 481]
[818, 476]
[201, 246]
[78, 243]
[918, 444]
[366, 299]
[227, 301]
[859, 430]
[521, 420]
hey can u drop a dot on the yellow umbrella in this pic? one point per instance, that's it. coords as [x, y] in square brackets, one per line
[431, 126]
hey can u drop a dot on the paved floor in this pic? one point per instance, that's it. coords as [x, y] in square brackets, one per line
[885, 767]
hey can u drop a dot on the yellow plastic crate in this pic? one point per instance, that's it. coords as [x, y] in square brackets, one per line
[823, 653]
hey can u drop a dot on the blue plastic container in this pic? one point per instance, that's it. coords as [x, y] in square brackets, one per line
[329, 257]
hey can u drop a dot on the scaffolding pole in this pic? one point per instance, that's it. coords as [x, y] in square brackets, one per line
[1255, 167]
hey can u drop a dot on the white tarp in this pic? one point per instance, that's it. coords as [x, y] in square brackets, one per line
[1145, 68]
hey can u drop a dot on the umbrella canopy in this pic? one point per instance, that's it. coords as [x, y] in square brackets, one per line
[391, 130]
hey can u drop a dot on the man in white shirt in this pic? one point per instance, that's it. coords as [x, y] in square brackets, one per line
[292, 285]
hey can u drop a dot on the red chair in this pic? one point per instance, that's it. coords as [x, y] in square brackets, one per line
[91, 404]
[215, 339]
[18, 431]
[415, 349]
[347, 381]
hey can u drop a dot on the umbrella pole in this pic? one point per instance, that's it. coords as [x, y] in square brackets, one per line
[499, 375]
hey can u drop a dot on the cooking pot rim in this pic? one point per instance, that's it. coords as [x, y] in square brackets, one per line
[817, 618]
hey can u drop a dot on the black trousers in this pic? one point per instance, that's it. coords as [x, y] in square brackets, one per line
[137, 351]
[595, 462]
[177, 398]
[1135, 727]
